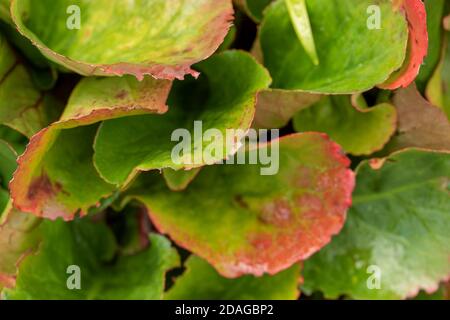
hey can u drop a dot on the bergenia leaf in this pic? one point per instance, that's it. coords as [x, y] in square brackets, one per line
[341, 35]
[122, 37]
[91, 249]
[395, 240]
[358, 131]
[435, 11]
[201, 282]
[223, 98]
[276, 107]
[22, 107]
[179, 180]
[19, 236]
[417, 45]
[438, 88]
[56, 176]
[257, 223]
[420, 124]
[300, 20]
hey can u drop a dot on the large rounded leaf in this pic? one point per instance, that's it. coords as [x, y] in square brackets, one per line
[243, 222]
[397, 232]
[56, 176]
[223, 98]
[159, 37]
[341, 34]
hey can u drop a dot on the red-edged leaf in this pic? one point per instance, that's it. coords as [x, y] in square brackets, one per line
[417, 45]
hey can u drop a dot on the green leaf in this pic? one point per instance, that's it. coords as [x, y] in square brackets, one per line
[300, 19]
[56, 176]
[358, 131]
[22, 106]
[179, 180]
[399, 222]
[435, 11]
[341, 36]
[91, 247]
[122, 37]
[223, 98]
[417, 45]
[8, 158]
[276, 107]
[4, 11]
[253, 8]
[243, 222]
[201, 282]
[438, 89]
[19, 236]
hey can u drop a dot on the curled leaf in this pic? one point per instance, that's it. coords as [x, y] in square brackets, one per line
[420, 124]
[243, 222]
[56, 176]
[417, 45]
[140, 38]
[223, 98]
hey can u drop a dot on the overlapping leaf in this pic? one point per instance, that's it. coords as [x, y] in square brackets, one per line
[254, 8]
[397, 232]
[417, 45]
[438, 89]
[158, 38]
[22, 106]
[91, 248]
[358, 131]
[276, 107]
[420, 124]
[341, 35]
[243, 222]
[201, 282]
[223, 98]
[56, 176]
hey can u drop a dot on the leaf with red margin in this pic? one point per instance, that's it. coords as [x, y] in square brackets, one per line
[341, 36]
[243, 222]
[223, 98]
[420, 124]
[123, 37]
[417, 46]
[56, 176]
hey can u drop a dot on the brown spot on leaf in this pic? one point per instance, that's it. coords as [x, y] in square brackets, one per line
[122, 94]
[42, 187]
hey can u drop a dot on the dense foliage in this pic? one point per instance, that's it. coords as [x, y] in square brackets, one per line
[93, 205]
